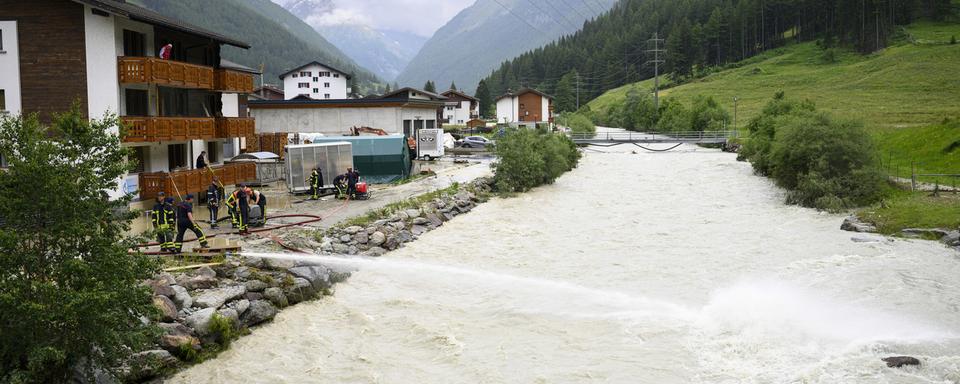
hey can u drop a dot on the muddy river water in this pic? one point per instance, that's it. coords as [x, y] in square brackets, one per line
[672, 267]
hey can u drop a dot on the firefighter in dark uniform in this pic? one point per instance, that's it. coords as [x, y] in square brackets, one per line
[353, 177]
[185, 221]
[316, 181]
[341, 183]
[213, 203]
[156, 217]
[243, 209]
[169, 224]
[232, 208]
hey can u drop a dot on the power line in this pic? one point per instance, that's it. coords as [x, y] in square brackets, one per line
[595, 13]
[518, 17]
[532, 2]
[585, 18]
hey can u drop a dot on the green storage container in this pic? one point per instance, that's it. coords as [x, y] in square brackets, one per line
[379, 159]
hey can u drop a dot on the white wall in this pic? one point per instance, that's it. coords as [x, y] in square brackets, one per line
[146, 29]
[544, 108]
[507, 109]
[337, 121]
[337, 88]
[103, 91]
[230, 105]
[10, 67]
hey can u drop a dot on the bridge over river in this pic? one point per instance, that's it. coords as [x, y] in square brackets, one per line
[612, 138]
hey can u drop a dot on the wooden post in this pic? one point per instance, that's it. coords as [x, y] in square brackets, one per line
[913, 176]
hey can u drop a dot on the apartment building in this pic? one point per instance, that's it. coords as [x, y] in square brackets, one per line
[317, 81]
[460, 107]
[105, 55]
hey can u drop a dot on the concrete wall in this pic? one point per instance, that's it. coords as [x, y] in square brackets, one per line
[10, 67]
[545, 108]
[230, 105]
[336, 90]
[103, 94]
[337, 121]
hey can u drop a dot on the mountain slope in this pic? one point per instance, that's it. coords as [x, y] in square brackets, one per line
[369, 47]
[279, 40]
[485, 34]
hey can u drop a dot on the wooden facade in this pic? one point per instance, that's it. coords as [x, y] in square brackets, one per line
[141, 129]
[169, 73]
[194, 180]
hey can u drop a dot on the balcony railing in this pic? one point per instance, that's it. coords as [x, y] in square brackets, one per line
[229, 127]
[152, 70]
[227, 80]
[156, 129]
[195, 180]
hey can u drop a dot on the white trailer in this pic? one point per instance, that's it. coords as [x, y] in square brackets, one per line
[332, 158]
[429, 143]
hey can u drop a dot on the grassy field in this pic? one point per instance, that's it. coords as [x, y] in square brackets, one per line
[906, 209]
[907, 95]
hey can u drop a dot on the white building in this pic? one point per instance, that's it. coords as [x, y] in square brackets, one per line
[459, 107]
[316, 81]
[103, 53]
[400, 112]
[526, 106]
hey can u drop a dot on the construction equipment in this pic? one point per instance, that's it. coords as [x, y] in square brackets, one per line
[357, 130]
[362, 191]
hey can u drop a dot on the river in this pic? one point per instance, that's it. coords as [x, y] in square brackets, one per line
[670, 267]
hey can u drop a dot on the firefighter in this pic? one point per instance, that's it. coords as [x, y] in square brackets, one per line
[185, 221]
[243, 208]
[156, 217]
[232, 207]
[353, 177]
[169, 224]
[340, 182]
[213, 203]
[316, 181]
[260, 200]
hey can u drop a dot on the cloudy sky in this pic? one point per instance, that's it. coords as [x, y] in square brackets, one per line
[421, 17]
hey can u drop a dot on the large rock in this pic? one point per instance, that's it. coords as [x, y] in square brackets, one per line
[391, 243]
[420, 221]
[900, 361]
[279, 264]
[255, 286]
[259, 311]
[148, 364]
[317, 275]
[181, 297]
[853, 224]
[925, 233]
[200, 320]
[168, 310]
[352, 230]
[361, 237]
[952, 238]
[198, 282]
[340, 248]
[412, 213]
[301, 290]
[253, 296]
[205, 272]
[240, 306]
[215, 298]
[374, 252]
[231, 315]
[418, 230]
[275, 295]
[175, 335]
[160, 287]
[404, 237]
[377, 238]
[434, 219]
[242, 273]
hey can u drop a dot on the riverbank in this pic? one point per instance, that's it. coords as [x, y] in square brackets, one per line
[201, 311]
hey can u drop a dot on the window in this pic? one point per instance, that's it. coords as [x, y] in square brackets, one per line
[134, 43]
[406, 128]
[139, 158]
[305, 74]
[213, 151]
[326, 85]
[1, 40]
[176, 156]
[324, 74]
[3, 100]
[303, 85]
[316, 90]
[431, 124]
[326, 95]
[449, 117]
[336, 75]
[294, 76]
[136, 102]
[449, 107]
[417, 125]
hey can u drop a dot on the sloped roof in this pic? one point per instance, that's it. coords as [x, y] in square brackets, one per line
[522, 91]
[404, 90]
[461, 94]
[141, 14]
[224, 63]
[345, 74]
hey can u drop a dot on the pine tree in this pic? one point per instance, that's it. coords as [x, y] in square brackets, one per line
[485, 99]
[453, 85]
[387, 90]
[430, 87]
[565, 98]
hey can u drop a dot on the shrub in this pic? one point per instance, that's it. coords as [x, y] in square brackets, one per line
[828, 56]
[674, 116]
[953, 40]
[824, 163]
[69, 290]
[527, 159]
[577, 123]
[708, 115]
[222, 330]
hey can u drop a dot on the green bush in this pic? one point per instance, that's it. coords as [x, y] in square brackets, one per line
[674, 116]
[708, 115]
[577, 123]
[527, 159]
[824, 163]
[70, 291]
[222, 330]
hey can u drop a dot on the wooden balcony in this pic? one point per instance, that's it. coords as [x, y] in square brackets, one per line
[226, 80]
[157, 129]
[152, 70]
[230, 127]
[195, 180]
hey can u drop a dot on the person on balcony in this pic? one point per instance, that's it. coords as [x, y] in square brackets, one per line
[213, 203]
[185, 221]
[166, 51]
[202, 160]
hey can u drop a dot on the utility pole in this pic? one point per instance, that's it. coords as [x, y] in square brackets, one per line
[578, 91]
[657, 60]
[735, 99]
[261, 81]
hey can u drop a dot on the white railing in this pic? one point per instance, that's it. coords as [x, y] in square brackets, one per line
[686, 136]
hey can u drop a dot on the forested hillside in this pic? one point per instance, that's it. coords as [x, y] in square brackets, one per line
[697, 36]
[279, 39]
